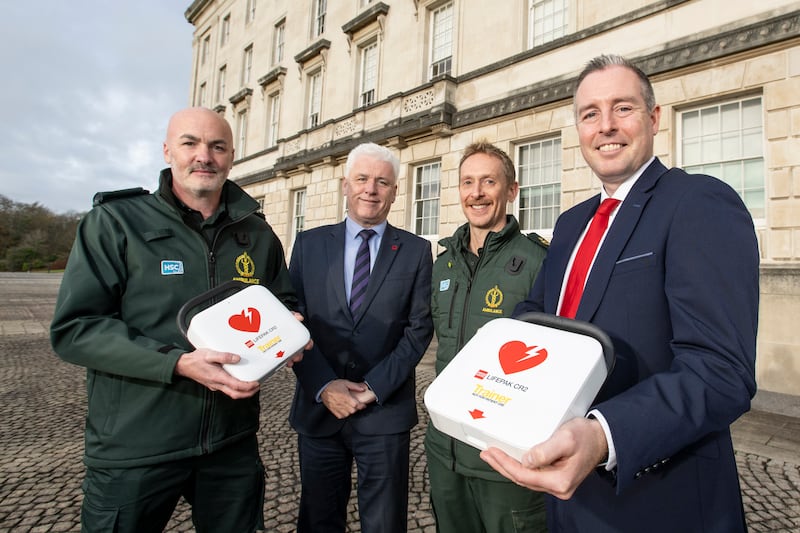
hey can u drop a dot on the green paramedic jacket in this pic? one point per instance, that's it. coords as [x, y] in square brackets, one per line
[134, 263]
[461, 303]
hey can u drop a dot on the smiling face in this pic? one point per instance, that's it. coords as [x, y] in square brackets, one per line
[199, 150]
[615, 128]
[485, 191]
[370, 188]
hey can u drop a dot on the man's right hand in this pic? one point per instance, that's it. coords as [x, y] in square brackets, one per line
[205, 367]
[338, 397]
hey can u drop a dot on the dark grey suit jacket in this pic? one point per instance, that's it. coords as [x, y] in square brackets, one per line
[382, 345]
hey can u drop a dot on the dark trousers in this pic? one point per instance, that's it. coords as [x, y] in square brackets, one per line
[225, 489]
[382, 473]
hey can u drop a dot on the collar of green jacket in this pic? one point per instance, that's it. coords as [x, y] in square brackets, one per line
[234, 200]
[459, 241]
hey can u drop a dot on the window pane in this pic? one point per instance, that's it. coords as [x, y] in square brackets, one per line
[547, 20]
[731, 145]
[691, 125]
[754, 174]
[726, 141]
[752, 142]
[539, 176]
[691, 152]
[441, 35]
[709, 120]
[730, 117]
[426, 199]
[711, 150]
[299, 218]
[751, 113]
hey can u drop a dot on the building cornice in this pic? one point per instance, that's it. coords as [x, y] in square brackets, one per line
[240, 95]
[194, 10]
[691, 51]
[312, 51]
[272, 76]
[365, 19]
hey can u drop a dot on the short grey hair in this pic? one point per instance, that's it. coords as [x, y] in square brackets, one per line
[372, 150]
[604, 61]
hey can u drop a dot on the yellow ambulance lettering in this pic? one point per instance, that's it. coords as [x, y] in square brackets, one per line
[269, 344]
[490, 395]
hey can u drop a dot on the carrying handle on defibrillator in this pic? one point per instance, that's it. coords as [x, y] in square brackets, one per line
[575, 326]
[185, 309]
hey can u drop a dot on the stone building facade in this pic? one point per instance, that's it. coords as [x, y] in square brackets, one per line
[304, 81]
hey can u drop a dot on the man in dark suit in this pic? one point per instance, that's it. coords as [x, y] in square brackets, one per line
[674, 283]
[364, 288]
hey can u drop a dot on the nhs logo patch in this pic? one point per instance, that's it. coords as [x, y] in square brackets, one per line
[169, 268]
[444, 285]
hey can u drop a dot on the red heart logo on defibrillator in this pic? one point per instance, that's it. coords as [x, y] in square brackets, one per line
[516, 356]
[248, 320]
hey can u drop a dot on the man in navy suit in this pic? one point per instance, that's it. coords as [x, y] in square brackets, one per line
[674, 283]
[364, 289]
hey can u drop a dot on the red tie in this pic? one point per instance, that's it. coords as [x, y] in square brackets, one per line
[584, 257]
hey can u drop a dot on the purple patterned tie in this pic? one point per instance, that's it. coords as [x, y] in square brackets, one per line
[360, 271]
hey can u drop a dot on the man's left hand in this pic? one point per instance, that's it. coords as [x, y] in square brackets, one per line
[558, 465]
[366, 397]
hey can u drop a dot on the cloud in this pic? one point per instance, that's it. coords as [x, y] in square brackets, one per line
[88, 91]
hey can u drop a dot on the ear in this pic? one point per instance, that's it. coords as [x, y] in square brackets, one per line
[165, 150]
[513, 190]
[655, 118]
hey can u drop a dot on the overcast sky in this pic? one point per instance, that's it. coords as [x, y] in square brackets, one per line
[87, 89]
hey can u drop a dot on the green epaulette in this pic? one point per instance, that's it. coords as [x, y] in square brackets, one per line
[107, 196]
[538, 239]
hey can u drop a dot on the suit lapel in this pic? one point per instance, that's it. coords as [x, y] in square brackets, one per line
[390, 246]
[334, 255]
[618, 235]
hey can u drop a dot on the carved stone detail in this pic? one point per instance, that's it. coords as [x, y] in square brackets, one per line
[418, 102]
[345, 128]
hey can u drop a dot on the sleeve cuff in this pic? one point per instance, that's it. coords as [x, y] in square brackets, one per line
[611, 461]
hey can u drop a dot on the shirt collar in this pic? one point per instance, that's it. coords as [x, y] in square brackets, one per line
[625, 187]
[352, 228]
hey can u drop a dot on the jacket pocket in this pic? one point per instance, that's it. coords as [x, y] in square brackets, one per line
[633, 262]
[446, 300]
[98, 519]
[104, 392]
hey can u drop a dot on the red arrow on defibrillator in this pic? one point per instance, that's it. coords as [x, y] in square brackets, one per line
[476, 413]
[279, 354]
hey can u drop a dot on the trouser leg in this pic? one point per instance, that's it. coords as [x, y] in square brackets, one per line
[382, 466]
[325, 474]
[227, 493]
[135, 500]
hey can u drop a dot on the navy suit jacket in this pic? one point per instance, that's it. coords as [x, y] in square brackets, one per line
[675, 286]
[381, 345]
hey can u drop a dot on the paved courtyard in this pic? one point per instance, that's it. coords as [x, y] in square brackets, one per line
[41, 436]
